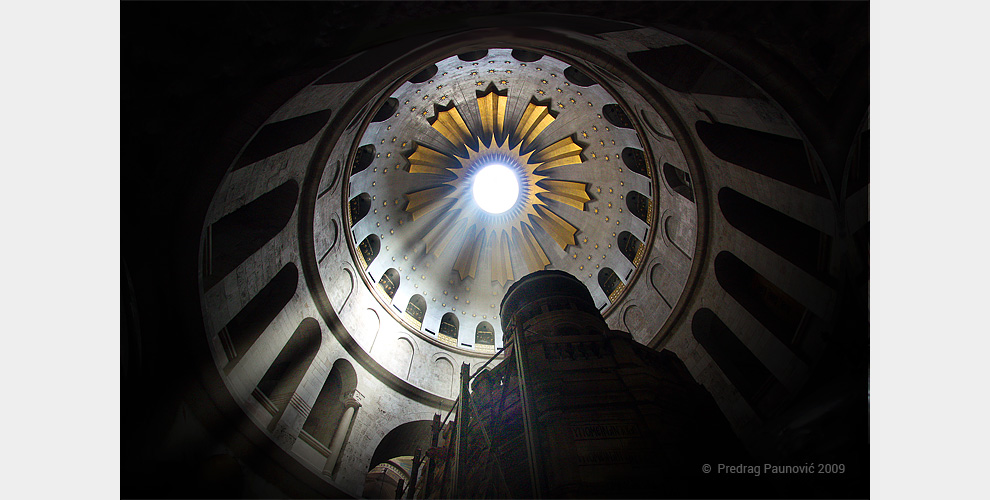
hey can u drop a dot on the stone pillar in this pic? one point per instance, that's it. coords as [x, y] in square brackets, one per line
[351, 405]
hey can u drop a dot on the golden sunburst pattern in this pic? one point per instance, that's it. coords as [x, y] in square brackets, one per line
[513, 232]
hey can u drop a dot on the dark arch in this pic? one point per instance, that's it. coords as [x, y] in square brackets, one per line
[449, 328]
[635, 160]
[802, 245]
[359, 207]
[610, 283]
[686, 69]
[577, 77]
[484, 337]
[403, 441]
[781, 158]
[631, 247]
[279, 136]
[639, 205]
[389, 282]
[753, 381]
[526, 55]
[473, 55]
[773, 308]
[250, 322]
[238, 235]
[369, 248]
[282, 378]
[363, 158]
[679, 181]
[416, 309]
[424, 75]
[387, 109]
[616, 116]
[324, 419]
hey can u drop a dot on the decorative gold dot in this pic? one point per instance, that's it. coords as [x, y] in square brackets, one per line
[582, 268]
[445, 292]
[460, 67]
[522, 64]
[412, 108]
[444, 73]
[540, 91]
[491, 71]
[584, 134]
[559, 105]
[575, 256]
[473, 73]
[404, 144]
[479, 83]
[609, 190]
[407, 101]
[504, 82]
[539, 69]
[373, 183]
[606, 219]
[418, 90]
[601, 142]
[439, 87]
[386, 218]
[560, 90]
[589, 257]
[474, 64]
[468, 301]
[596, 210]
[391, 231]
[599, 115]
[609, 205]
[589, 104]
[376, 210]
[443, 97]
[596, 246]
[572, 100]
[426, 97]
[431, 81]
[508, 71]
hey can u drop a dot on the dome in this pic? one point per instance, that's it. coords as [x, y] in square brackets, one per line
[331, 260]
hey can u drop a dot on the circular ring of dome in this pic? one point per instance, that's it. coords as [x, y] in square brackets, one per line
[498, 121]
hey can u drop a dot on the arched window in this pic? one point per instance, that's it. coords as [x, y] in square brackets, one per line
[363, 158]
[484, 338]
[389, 282]
[802, 245]
[776, 156]
[324, 419]
[368, 249]
[424, 75]
[253, 319]
[238, 235]
[416, 310]
[639, 205]
[387, 109]
[776, 310]
[359, 206]
[473, 55]
[577, 77]
[449, 327]
[635, 160]
[753, 381]
[631, 247]
[283, 376]
[679, 181]
[610, 283]
[616, 116]
[276, 137]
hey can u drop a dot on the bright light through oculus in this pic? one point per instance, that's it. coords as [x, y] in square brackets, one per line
[495, 188]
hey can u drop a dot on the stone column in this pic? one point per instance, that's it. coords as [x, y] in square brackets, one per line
[337, 444]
